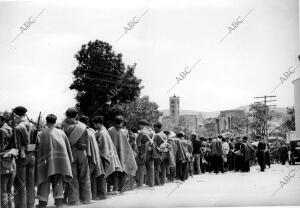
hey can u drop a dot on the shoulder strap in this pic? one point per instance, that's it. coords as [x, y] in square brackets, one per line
[27, 130]
[153, 135]
[77, 133]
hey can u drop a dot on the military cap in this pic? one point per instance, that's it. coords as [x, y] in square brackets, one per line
[20, 111]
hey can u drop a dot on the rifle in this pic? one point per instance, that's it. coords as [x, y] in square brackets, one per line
[36, 143]
[13, 125]
[32, 143]
[37, 128]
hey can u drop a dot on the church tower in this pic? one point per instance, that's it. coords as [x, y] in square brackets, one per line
[174, 110]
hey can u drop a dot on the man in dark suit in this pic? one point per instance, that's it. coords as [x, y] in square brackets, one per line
[217, 155]
[261, 148]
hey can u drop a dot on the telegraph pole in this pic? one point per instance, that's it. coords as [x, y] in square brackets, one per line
[264, 103]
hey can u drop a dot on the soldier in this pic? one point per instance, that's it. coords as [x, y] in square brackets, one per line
[132, 141]
[126, 156]
[80, 186]
[95, 163]
[171, 170]
[160, 162]
[184, 156]
[8, 166]
[145, 160]
[26, 144]
[109, 156]
[54, 160]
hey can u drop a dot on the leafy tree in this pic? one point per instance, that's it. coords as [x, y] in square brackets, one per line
[259, 114]
[102, 78]
[134, 111]
[287, 125]
[290, 123]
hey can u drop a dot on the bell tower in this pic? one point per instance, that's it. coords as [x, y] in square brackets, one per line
[174, 110]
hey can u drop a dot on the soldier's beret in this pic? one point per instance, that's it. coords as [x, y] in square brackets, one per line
[20, 111]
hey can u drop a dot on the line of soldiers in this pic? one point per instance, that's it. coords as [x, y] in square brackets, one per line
[83, 163]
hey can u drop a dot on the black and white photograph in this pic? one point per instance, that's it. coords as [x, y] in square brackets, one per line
[139, 103]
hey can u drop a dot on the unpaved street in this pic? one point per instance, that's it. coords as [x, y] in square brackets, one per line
[230, 189]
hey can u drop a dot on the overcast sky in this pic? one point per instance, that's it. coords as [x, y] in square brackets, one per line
[36, 68]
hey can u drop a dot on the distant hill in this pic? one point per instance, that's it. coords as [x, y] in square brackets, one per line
[276, 109]
[214, 114]
[280, 110]
[191, 112]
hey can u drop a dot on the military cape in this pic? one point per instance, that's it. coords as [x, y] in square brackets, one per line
[124, 150]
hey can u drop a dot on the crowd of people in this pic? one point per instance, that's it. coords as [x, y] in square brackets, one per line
[83, 161]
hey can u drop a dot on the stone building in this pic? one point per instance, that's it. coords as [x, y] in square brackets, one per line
[190, 124]
[194, 122]
[174, 110]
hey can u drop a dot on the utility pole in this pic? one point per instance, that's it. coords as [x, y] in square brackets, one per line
[264, 103]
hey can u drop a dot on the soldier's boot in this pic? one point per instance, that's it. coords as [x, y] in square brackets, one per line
[4, 200]
[59, 203]
[125, 184]
[42, 204]
[10, 201]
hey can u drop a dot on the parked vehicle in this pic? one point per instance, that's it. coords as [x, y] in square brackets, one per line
[294, 151]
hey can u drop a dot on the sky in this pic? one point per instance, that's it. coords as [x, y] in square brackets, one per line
[261, 43]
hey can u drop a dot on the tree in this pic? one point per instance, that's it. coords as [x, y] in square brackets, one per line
[134, 111]
[259, 116]
[290, 123]
[101, 77]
